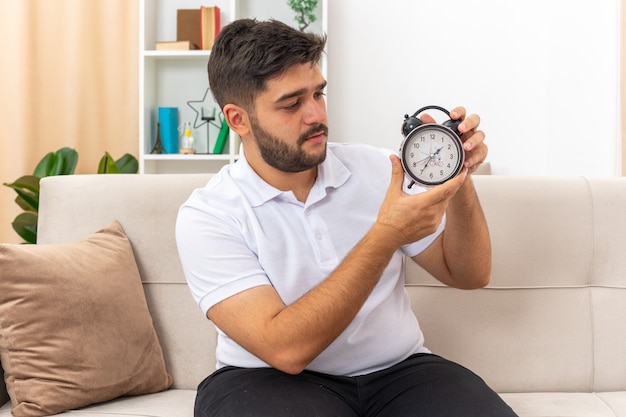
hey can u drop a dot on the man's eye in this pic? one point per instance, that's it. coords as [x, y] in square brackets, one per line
[320, 94]
[292, 106]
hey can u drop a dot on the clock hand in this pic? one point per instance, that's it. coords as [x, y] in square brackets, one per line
[437, 156]
[430, 158]
[426, 164]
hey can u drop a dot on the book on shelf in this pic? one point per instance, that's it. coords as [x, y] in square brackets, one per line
[188, 26]
[176, 46]
[221, 138]
[209, 25]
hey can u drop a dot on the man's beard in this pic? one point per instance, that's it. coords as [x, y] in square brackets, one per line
[280, 155]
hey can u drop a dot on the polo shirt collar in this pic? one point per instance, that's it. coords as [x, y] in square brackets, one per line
[332, 173]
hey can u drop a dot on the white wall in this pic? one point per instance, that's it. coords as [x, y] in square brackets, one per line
[542, 74]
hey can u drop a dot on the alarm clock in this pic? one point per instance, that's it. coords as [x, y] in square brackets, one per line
[431, 153]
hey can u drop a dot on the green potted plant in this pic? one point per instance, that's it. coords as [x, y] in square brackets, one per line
[304, 12]
[61, 162]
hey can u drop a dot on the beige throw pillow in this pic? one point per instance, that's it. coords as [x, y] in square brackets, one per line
[74, 325]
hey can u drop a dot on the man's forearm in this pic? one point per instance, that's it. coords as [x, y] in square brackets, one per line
[466, 241]
[324, 312]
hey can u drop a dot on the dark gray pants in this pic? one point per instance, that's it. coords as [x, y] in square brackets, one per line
[422, 385]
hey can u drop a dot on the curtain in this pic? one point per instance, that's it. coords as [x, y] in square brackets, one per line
[69, 77]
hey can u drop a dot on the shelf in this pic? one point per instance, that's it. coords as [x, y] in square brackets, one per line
[189, 157]
[176, 54]
[179, 79]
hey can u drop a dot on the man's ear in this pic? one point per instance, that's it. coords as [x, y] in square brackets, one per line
[237, 119]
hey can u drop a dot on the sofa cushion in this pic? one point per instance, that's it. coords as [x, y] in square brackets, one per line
[170, 403]
[559, 404]
[74, 325]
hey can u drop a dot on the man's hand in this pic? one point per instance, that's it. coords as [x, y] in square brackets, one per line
[412, 217]
[473, 139]
[461, 256]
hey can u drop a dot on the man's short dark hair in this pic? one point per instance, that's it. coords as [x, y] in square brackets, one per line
[247, 53]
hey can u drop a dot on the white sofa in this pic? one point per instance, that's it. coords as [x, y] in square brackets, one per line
[548, 333]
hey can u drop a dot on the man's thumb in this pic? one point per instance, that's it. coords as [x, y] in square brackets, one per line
[397, 173]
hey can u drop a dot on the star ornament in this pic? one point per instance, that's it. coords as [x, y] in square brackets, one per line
[198, 107]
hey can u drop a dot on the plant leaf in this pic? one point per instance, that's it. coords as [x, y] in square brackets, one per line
[25, 225]
[107, 165]
[127, 164]
[25, 204]
[27, 200]
[61, 162]
[29, 182]
[45, 166]
[69, 160]
[27, 189]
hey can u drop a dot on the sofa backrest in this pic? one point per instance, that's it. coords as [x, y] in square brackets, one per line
[553, 316]
[550, 320]
[74, 206]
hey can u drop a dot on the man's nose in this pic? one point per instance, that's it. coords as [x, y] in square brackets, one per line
[315, 111]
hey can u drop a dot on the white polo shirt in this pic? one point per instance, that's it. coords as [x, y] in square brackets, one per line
[239, 232]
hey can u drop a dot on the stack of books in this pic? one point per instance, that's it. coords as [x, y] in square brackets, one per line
[195, 29]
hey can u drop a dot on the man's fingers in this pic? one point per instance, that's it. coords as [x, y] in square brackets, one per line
[469, 124]
[437, 194]
[427, 118]
[457, 113]
[397, 175]
[448, 189]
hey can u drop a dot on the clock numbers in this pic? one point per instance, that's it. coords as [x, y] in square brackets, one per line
[432, 155]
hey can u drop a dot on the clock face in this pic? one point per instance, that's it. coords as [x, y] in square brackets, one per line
[432, 154]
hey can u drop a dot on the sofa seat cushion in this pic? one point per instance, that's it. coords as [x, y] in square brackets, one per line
[567, 404]
[171, 403]
[175, 403]
[74, 325]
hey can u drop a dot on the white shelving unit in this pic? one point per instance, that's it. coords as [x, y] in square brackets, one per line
[174, 78]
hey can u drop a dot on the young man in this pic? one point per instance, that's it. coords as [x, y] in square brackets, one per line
[295, 251]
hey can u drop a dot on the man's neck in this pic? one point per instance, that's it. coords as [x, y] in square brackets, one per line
[299, 183]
